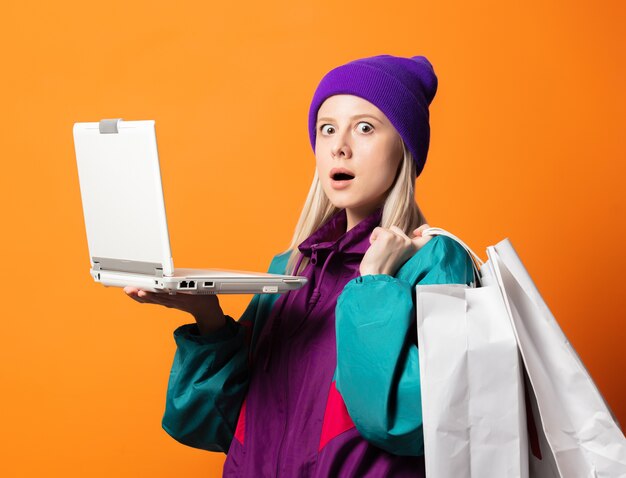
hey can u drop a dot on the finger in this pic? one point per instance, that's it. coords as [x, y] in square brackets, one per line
[132, 293]
[420, 241]
[153, 297]
[419, 230]
[381, 234]
[375, 233]
[157, 298]
[180, 300]
[145, 297]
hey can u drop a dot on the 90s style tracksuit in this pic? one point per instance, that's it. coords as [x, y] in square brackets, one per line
[319, 382]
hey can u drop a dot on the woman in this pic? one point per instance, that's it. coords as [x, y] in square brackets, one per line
[324, 381]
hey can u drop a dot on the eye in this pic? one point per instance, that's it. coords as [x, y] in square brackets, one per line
[365, 127]
[327, 129]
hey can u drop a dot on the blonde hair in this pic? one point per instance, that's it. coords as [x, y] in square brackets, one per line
[400, 209]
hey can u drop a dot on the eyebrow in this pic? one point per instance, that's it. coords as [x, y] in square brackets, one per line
[352, 118]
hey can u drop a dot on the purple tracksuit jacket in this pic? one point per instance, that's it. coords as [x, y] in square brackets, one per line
[296, 423]
[319, 382]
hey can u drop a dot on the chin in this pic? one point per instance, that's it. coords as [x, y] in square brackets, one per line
[345, 200]
[347, 204]
[340, 203]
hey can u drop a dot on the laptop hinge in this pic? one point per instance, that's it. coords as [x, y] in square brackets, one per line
[109, 126]
[120, 265]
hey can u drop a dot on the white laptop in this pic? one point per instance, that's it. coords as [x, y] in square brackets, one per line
[122, 196]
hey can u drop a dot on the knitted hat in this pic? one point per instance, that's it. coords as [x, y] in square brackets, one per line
[402, 88]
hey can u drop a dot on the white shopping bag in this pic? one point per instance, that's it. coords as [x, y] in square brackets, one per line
[573, 433]
[581, 432]
[472, 383]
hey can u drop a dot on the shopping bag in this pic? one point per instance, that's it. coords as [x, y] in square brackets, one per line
[472, 382]
[572, 430]
[583, 436]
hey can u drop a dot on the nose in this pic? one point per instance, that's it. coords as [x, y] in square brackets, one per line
[341, 146]
[341, 149]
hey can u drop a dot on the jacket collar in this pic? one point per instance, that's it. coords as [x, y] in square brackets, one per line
[332, 234]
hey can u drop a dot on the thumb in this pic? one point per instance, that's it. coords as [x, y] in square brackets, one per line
[374, 235]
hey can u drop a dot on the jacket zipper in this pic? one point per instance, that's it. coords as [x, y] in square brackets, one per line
[313, 261]
[286, 427]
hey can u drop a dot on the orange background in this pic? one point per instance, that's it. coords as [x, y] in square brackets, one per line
[527, 143]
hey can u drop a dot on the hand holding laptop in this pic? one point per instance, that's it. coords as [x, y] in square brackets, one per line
[204, 308]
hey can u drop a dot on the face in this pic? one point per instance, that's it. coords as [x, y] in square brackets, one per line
[357, 152]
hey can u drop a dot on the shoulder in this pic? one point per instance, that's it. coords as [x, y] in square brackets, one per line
[445, 247]
[279, 263]
[440, 260]
[439, 248]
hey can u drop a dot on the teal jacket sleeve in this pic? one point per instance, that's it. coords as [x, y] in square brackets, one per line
[378, 372]
[209, 376]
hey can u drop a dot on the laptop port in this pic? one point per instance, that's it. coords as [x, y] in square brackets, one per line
[192, 284]
[182, 284]
[208, 284]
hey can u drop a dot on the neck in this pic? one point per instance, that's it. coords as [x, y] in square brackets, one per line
[356, 215]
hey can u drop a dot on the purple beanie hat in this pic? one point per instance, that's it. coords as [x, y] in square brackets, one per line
[402, 88]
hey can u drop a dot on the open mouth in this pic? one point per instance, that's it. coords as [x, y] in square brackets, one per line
[341, 174]
[342, 177]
